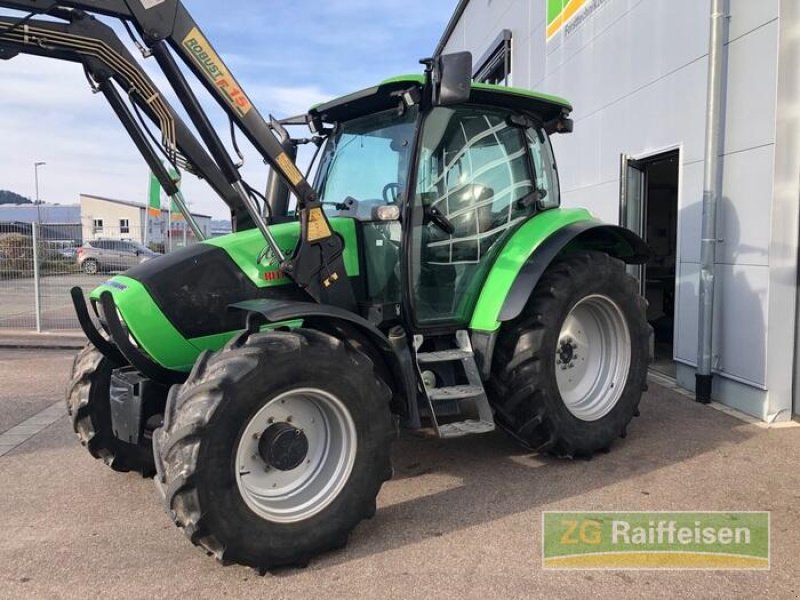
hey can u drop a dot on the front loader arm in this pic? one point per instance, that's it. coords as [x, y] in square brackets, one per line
[162, 22]
[317, 263]
[94, 45]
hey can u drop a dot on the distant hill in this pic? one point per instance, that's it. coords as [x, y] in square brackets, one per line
[8, 197]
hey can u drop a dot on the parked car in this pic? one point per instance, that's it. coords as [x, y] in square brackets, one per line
[112, 255]
[62, 249]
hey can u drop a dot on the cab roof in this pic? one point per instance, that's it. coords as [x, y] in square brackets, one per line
[384, 96]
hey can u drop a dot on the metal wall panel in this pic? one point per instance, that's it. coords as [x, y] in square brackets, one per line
[747, 15]
[744, 211]
[636, 72]
[740, 326]
[749, 96]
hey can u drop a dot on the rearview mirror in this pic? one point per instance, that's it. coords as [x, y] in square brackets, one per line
[452, 78]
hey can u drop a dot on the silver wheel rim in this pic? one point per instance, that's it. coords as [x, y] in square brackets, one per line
[294, 495]
[91, 267]
[593, 357]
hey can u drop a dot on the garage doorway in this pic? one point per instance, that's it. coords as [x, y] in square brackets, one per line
[649, 207]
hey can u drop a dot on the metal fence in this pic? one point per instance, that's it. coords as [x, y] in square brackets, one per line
[41, 263]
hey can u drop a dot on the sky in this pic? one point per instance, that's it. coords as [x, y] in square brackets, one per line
[286, 55]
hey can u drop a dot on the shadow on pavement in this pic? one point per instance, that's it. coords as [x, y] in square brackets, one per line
[491, 478]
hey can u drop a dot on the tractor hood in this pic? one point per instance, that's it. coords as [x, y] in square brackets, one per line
[176, 306]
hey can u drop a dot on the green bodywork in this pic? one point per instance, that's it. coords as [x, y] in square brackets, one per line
[244, 247]
[159, 338]
[488, 87]
[516, 252]
[162, 341]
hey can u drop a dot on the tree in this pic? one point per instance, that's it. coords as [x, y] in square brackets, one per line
[8, 197]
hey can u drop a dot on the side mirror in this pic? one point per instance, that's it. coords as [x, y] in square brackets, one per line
[452, 78]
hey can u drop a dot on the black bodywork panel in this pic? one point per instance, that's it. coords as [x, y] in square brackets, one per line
[194, 288]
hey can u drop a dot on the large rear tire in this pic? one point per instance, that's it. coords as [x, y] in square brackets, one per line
[569, 372]
[275, 448]
[88, 404]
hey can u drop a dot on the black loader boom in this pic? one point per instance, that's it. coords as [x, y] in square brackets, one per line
[166, 28]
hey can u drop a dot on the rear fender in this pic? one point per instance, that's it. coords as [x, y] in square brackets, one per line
[527, 256]
[616, 241]
[532, 248]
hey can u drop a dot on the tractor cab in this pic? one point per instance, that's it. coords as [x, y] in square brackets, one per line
[436, 189]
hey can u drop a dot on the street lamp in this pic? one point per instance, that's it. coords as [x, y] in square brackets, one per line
[36, 166]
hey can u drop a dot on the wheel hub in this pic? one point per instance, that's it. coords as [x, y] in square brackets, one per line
[566, 353]
[283, 446]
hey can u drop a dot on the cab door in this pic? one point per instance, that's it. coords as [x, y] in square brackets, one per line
[633, 205]
[474, 185]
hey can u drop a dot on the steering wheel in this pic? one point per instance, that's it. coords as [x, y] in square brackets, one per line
[391, 192]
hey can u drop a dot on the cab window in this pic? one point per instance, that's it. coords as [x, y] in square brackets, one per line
[474, 184]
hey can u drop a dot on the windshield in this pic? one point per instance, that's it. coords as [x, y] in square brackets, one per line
[367, 158]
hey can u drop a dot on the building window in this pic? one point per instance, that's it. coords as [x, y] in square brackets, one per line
[97, 225]
[495, 65]
[124, 226]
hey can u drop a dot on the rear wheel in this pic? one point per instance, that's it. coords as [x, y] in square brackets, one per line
[275, 448]
[569, 372]
[88, 398]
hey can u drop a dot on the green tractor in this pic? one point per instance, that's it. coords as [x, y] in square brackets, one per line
[428, 278]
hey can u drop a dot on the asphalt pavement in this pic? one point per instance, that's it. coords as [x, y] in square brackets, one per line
[17, 300]
[461, 518]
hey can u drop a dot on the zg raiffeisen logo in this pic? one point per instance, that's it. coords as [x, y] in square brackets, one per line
[655, 540]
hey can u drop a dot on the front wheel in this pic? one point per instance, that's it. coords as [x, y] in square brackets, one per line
[275, 448]
[569, 372]
[88, 403]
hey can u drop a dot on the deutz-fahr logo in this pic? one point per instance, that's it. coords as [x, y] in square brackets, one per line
[215, 70]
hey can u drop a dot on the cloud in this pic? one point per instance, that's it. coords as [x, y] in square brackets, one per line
[287, 101]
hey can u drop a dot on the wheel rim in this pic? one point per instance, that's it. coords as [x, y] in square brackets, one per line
[288, 493]
[593, 357]
[91, 267]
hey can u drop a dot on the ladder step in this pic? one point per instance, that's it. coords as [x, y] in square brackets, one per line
[462, 428]
[455, 392]
[443, 356]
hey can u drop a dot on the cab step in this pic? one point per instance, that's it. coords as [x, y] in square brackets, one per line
[443, 356]
[471, 395]
[455, 392]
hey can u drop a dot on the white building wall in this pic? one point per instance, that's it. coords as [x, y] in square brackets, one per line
[153, 230]
[111, 213]
[636, 73]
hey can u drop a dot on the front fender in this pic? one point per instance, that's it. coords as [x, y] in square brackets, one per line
[533, 247]
[324, 317]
